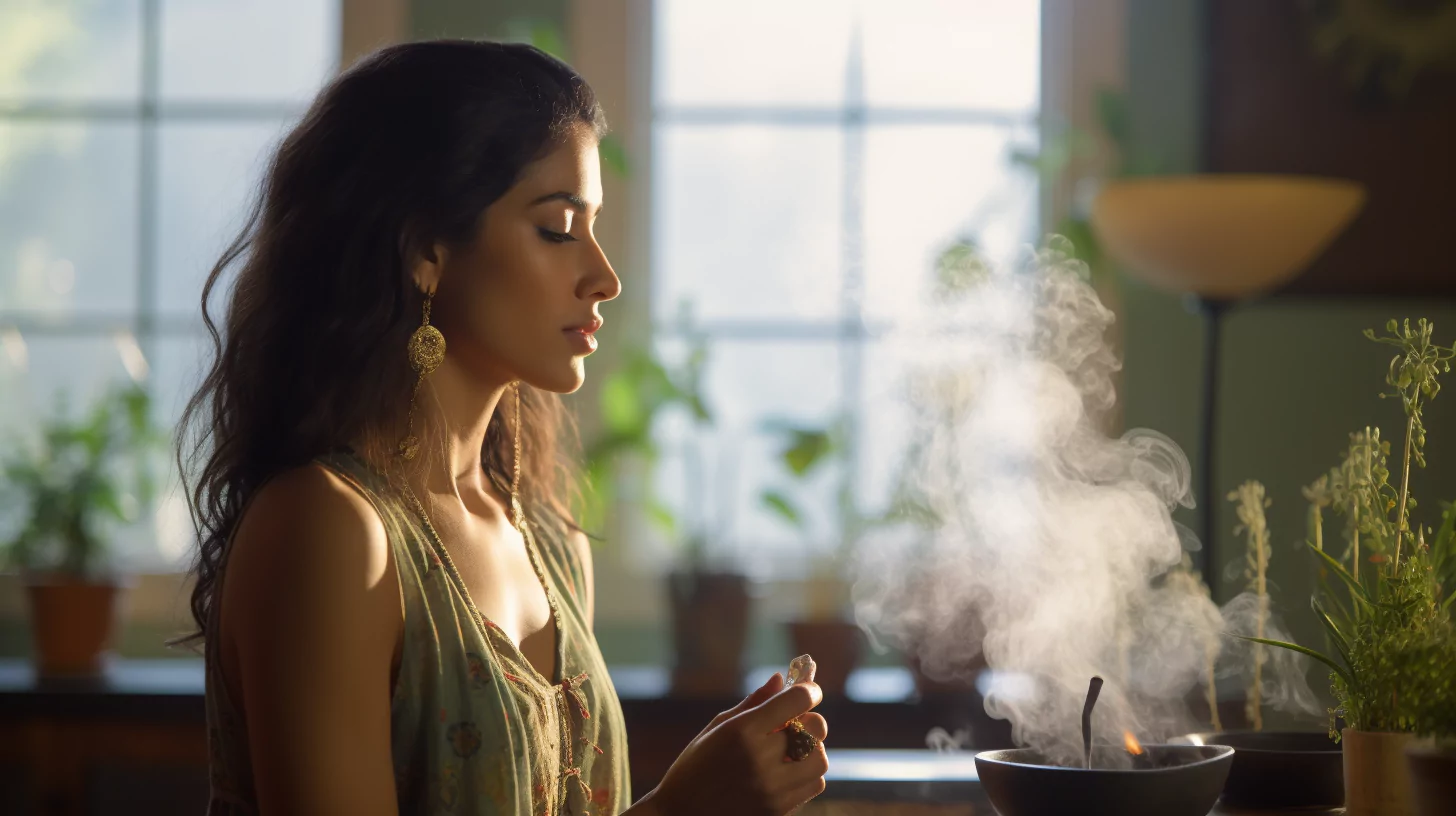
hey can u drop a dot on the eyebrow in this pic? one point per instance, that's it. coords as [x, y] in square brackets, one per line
[576, 201]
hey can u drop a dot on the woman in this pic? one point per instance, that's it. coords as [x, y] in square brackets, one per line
[396, 605]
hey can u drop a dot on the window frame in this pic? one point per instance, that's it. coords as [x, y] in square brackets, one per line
[361, 22]
[855, 118]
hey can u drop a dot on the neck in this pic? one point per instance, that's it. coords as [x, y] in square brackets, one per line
[462, 404]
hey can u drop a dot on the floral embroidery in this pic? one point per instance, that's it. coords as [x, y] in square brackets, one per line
[464, 739]
[479, 673]
[449, 787]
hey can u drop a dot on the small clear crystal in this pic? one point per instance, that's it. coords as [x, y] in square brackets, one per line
[801, 669]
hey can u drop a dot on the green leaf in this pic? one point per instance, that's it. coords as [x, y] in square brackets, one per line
[780, 504]
[1342, 643]
[1357, 590]
[614, 155]
[1295, 647]
[662, 516]
[547, 37]
[1115, 117]
[621, 411]
[806, 449]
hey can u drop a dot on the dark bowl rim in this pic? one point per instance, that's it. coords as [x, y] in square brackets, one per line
[1225, 755]
[1213, 735]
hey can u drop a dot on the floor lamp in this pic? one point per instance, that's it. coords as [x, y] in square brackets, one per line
[1221, 239]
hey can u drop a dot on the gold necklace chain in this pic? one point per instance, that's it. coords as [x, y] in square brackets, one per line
[518, 520]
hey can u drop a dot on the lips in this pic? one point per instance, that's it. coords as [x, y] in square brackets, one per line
[589, 328]
[584, 335]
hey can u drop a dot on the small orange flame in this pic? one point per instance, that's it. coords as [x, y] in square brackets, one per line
[1133, 746]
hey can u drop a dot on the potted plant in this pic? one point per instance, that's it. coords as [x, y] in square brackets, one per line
[1385, 602]
[1432, 763]
[825, 630]
[66, 484]
[709, 603]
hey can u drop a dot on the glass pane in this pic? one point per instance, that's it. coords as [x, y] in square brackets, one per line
[752, 52]
[747, 222]
[38, 369]
[44, 376]
[884, 422]
[713, 477]
[178, 365]
[68, 203]
[979, 54]
[925, 187]
[208, 176]
[70, 50]
[273, 50]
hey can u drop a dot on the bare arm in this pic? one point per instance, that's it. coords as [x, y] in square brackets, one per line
[310, 615]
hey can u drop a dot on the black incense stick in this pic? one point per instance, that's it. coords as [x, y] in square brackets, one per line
[1092, 691]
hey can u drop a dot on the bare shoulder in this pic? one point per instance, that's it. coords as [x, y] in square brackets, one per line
[310, 559]
[308, 520]
[310, 618]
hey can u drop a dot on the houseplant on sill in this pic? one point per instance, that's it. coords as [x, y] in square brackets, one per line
[825, 629]
[65, 485]
[709, 604]
[1432, 763]
[1389, 624]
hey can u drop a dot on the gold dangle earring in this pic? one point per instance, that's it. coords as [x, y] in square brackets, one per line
[426, 352]
[518, 513]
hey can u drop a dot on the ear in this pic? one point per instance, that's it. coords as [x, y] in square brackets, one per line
[426, 266]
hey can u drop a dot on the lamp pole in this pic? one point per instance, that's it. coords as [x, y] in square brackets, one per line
[1212, 310]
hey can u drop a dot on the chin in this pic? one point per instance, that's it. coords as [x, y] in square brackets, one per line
[562, 380]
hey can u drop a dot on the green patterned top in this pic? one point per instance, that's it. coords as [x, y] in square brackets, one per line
[475, 728]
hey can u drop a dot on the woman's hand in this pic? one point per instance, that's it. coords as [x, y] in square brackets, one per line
[737, 766]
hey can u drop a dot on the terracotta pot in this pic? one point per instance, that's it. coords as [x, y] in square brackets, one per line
[709, 629]
[73, 622]
[1433, 778]
[835, 646]
[1377, 776]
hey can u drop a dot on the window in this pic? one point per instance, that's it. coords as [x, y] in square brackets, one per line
[132, 133]
[811, 159]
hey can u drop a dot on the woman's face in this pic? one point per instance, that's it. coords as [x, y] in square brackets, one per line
[519, 302]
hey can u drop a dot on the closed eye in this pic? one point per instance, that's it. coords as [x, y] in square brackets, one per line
[555, 237]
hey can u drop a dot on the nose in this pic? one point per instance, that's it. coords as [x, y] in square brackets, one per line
[601, 281]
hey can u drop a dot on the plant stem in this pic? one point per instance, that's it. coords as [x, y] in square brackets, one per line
[1261, 545]
[1400, 519]
[1355, 563]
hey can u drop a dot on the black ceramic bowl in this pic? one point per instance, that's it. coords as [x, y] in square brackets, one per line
[1281, 769]
[1188, 783]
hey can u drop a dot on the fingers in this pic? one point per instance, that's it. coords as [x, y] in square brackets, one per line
[815, 725]
[796, 797]
[786, 705]
[754, 699]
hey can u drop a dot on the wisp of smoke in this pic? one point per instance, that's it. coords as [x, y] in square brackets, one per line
[1031, 541]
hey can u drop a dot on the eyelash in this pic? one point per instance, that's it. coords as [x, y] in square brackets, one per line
[555, 237]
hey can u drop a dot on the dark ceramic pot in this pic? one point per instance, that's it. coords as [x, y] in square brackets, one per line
[1281, 769]
[1183, 780]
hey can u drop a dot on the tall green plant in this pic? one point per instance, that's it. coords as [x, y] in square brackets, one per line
[1251, 502]
[633, 399]
[1387, 611]
[74, 475]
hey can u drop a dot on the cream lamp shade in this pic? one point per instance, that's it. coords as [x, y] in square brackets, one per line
[1221, 237]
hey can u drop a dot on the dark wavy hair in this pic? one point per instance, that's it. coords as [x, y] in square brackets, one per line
[405, 149]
